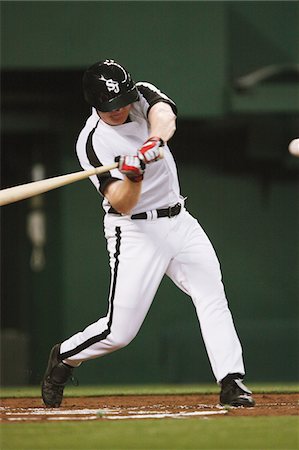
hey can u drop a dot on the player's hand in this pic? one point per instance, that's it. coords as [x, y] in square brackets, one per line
[151, 150]
[131, 166]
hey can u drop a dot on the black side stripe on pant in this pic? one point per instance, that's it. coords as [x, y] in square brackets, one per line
[104, 334]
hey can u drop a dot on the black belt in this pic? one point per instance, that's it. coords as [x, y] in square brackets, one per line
[166, 212]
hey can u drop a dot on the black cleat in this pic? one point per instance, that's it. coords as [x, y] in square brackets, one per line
[234, 392]
[55, 379]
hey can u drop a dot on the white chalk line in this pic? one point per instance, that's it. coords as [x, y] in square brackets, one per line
[29, 414]
[181, 415]
[52, 412]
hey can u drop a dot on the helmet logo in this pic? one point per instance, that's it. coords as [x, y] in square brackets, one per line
[111, 85]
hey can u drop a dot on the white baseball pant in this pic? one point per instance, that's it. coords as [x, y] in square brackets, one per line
[141, 252]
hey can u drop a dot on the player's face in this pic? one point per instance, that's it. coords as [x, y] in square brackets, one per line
[115, 117]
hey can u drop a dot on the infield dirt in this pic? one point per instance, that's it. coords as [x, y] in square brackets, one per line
[143, 407]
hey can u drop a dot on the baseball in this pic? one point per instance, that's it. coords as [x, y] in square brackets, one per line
[294, 147]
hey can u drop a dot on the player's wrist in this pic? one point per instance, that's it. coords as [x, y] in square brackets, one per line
[156, 139]
[135, 179]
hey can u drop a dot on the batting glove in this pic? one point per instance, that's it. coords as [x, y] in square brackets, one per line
[150, 151]
[131, 166]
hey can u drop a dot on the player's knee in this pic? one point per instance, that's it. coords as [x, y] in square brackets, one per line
[120, 340]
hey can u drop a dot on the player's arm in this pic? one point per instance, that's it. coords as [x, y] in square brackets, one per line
[162, 127]
[159, 109]
[124, 194]
[162, 121]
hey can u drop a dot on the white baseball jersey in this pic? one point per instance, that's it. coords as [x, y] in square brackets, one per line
[142, 251]
[98, 144]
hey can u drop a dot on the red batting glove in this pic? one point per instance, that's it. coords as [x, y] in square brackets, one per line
[150, 151]
[131, 166]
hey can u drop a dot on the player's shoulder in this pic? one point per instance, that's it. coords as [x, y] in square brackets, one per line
[152, 94]
[91, 121]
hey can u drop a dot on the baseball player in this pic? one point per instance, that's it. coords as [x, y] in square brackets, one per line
[149, 233]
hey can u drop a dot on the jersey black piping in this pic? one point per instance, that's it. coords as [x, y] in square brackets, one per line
[105, 178]
[152, 97]
[104, 334]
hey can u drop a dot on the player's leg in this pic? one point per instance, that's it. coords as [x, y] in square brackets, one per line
[137, 267]
[196, 270]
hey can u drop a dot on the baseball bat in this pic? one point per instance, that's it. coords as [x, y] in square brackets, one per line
[23, 191]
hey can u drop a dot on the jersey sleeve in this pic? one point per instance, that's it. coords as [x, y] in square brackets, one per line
[88, 159]
[152, 95]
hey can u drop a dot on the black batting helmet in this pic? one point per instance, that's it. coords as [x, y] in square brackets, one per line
[107, 86]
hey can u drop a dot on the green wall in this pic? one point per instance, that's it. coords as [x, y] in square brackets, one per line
[169, 43]
[194, 50]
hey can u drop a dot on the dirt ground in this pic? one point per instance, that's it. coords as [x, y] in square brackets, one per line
[143, 407]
